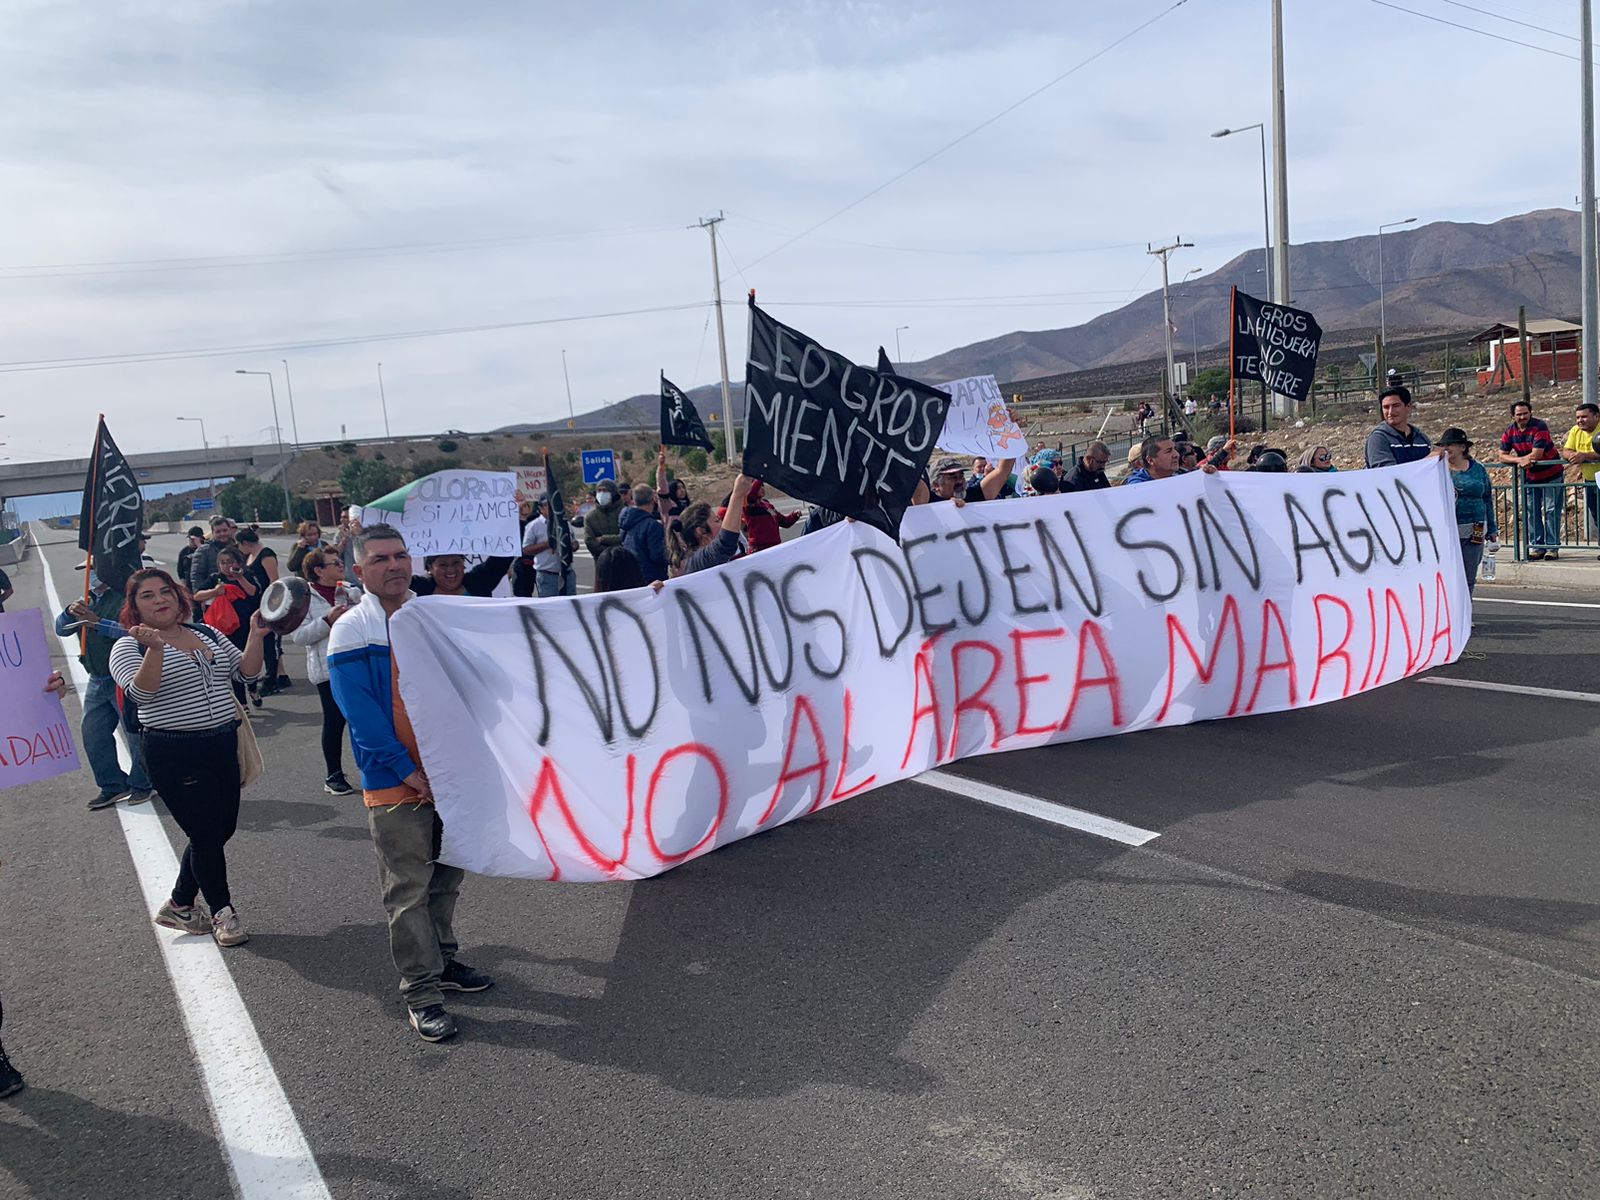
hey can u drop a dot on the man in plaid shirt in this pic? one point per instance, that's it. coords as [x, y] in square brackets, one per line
[1527, 443]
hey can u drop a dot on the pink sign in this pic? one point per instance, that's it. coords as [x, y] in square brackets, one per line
[35, 741]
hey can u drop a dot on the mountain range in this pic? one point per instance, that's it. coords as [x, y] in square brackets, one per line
[1447, 276]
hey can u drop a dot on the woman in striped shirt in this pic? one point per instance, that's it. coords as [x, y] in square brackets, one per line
[182, 675]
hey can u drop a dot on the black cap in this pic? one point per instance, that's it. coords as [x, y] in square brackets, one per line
[195, 531]
[1454, 437]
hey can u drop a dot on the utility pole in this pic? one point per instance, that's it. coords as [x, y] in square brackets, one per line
[571, 416]
[384, 401]
[1591, 298]
[294, 424]
[709, 224]
[1280, 191]
[1166, 300]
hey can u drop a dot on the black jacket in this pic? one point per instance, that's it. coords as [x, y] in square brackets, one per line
[1082, 479]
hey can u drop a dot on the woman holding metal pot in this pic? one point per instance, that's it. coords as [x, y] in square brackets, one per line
[181, 675]
[330, 599]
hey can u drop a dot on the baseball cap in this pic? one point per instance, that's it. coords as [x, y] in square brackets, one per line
[949, 466]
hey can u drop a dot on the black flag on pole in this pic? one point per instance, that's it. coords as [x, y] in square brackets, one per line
[680, 420]
[1276, 344]
[558, 529]
[825, 430]
[112, 514]
[885, 367]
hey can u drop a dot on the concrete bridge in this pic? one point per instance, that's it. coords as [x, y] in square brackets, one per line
[165, 466]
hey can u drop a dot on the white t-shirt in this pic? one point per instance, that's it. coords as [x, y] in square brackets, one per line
[546, 559]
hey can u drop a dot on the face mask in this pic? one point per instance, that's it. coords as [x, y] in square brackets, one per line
[602, 498]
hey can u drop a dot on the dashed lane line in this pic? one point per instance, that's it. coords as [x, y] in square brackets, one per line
[266, 1149]
[1032, 806]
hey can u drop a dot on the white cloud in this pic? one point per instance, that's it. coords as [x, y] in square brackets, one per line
[195, 129]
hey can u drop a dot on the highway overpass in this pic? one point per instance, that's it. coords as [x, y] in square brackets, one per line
[165, 466]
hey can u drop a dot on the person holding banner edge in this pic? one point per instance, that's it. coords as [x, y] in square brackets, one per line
[11, 1081]
[419, 892]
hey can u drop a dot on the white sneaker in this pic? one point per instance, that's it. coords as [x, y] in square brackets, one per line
[227, 928]
[192, 920]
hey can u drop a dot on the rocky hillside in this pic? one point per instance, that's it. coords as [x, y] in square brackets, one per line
[1443, 276]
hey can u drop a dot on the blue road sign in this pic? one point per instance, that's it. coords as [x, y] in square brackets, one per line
[204, 503]
[598, 465]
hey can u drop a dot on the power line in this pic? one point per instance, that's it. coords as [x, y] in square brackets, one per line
[1512, 20]
[289, 257]
[108, 360]
[946, 250]
[1480, 32]
[982, 125]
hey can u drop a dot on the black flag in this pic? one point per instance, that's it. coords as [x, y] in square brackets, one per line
[825, 430]
[885, 367]
[112, 515]
[558, 530]
[1275, 344]
[680, 421]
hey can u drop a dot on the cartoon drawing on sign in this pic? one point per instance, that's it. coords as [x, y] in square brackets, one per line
[1004, 427]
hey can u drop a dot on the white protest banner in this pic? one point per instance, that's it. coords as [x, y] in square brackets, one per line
[35, 740]
[454, 512]
[614, 736]
[979, 422]
[531, 482]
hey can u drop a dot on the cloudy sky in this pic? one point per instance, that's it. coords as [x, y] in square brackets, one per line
[252, 177]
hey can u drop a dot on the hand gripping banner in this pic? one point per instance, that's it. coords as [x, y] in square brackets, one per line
[615, 736]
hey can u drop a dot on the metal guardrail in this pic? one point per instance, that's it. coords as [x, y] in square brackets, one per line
[1571, 508]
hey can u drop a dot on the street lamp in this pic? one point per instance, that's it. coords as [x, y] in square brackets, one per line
[1266, 219]
[211, 481]
[384, 401]
[294, 424]
[1383, 328]
[283, 463]
[898, 360]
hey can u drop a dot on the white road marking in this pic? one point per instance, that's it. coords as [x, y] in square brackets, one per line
[1514, 689]
[1534, 603]
[267, 1151]
[1032, 806]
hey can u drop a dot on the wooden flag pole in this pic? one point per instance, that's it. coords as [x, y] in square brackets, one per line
[94, 492]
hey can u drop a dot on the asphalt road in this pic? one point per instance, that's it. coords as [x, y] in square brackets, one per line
[1361, 959]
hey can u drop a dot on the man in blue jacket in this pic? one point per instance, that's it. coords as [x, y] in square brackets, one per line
[643, 534]
[419, 892]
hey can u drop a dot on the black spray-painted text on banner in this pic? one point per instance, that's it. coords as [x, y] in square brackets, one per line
[613, 736]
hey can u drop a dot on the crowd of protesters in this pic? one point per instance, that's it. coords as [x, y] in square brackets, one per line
[174, 660]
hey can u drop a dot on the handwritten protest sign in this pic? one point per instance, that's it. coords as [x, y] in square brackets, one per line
[35, 742]
[979, 422]
[825, 430]
[454, 512]
[532, 482]
[617, 735]
[1276, 344]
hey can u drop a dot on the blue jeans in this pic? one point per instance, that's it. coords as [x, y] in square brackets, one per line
[1471, 559]
[1543, 504]
[100, 720]
[548, 583]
